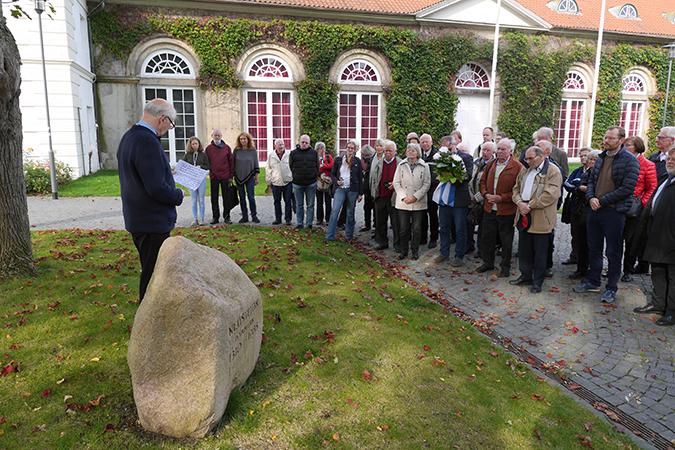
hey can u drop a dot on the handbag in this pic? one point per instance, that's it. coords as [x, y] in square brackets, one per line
[323, 183]
[635, 208]
[566, 214]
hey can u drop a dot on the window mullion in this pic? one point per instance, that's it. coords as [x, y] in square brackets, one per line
[359, 118]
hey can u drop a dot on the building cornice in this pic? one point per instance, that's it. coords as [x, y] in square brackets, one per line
[56, 62]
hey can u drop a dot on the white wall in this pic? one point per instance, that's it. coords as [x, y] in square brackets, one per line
[69, 84]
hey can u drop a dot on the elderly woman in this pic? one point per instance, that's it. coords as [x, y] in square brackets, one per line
[411, 183]
[644, 188]
[324, 183]
[367, 153]
[580, 211]
[348, 181]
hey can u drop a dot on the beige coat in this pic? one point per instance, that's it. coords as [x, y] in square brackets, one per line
[412, 182]
[278, 171]
[544, 201]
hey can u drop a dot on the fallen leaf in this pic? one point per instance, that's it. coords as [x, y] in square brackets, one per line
[585, 441]
[426, 348]
[537, 434]
[383, 427]
[366, 375]
[46, 393]
[336, 437]
[537, 397]
[95, 359]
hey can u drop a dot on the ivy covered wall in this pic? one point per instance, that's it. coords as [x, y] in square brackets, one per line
[531, 69]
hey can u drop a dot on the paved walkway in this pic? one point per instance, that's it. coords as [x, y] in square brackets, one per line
[622, 357]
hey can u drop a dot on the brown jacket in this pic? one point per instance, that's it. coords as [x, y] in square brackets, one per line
[544, 201]
[505, 183]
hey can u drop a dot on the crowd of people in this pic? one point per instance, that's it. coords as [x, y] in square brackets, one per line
[617, 201]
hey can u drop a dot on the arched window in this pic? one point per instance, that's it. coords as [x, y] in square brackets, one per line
[268, 66]
[167, 63]
[633, 103]
[472, 76]
[568, 6]
[158, 72]
[572, 113]
[628, 11]
[269, 107]
[359, 108]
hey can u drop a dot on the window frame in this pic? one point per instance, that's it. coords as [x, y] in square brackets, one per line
[284, 63]
[566, 125]
[567, 4]
[377, 82]
[151, 56]
[630, 103]
[270, 123]
[625, 7]
[359, 116]
[474, 88]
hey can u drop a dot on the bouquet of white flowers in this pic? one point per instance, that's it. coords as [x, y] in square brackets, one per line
[449, 166]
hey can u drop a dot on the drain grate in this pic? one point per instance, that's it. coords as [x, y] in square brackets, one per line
[446, 301]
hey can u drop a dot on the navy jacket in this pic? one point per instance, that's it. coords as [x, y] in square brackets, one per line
[355, 174]
[149, 194]
[462, 195]
[661, 173]
[625, 171]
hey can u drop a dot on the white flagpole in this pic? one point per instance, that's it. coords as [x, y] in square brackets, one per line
[493, 76]
[596, 73]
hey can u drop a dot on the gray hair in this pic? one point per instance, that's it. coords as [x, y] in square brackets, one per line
[416, 147]
[537, 150]
[159, 107]
[354, 143]
[279, 141]
[318, 145]
[488, 144]
[426, 135]
[513, 144]
[390, 143]
[547, 146]
[669, 131]
[548, 132]
[380, 141]
[594, 154]
[506, 141]
[367, 151]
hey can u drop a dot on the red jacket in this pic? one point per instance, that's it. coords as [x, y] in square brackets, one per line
[326, 165]
[221, 161]
[646, 183]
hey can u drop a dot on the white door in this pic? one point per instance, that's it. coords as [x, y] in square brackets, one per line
[472, 117]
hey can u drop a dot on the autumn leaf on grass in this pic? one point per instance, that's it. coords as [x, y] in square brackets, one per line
[366, 375]
[46, 393]
[12, 367]
[336, 437]
[438, 362]
[426, 348]
[585, 441]
[537, 397]
[383, 427]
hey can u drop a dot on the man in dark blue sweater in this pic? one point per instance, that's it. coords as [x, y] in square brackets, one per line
[149, 194]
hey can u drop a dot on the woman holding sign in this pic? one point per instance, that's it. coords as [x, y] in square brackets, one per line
[195, 155]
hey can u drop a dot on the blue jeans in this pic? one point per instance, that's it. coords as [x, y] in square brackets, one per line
[286, 192]
[301, 194]
[446, 216]
[197, 197]
[341, 195]
[605, 226]
[247, 190]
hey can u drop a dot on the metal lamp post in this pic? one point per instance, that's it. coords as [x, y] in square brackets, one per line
[671, 56]
[39, 9]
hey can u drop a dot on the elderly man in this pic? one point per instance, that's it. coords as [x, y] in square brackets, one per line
[499, 211]
[476, 207]
[304, 164]
[279, 177]
[382, 189]
[557, 155]
[488, 136]
[430, 218]
[664, 141]
[610, 190]
[547, 146]
[149, 194]
[536, 194]
[221, 171]
[660, 248]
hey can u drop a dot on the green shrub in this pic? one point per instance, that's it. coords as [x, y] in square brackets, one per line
[37, 176]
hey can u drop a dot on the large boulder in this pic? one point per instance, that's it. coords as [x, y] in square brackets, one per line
[196, 336]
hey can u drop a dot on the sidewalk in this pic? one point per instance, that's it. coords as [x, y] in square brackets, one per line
[620, 356]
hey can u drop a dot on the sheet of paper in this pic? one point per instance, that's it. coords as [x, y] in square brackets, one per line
[188, 175]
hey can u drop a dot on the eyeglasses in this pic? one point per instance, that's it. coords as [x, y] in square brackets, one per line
[662, 137]
[530, 158]
[173, 125]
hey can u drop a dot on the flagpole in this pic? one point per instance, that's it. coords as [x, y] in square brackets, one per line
[493, 76]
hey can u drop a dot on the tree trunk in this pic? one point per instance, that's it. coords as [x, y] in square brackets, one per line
[16, 255]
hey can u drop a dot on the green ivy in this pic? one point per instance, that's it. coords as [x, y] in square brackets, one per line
[531, 69]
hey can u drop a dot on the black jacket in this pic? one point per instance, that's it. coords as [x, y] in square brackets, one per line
[462, 195]
[304, 166]
[661, 173]
[625, 171]
[660, 248]
[355, 174]
[432, 166]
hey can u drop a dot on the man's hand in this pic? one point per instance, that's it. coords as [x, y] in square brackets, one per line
[524, 208]
[583, 188]
[493, 198]
[410, 199]
[595, 204]
[256, 179]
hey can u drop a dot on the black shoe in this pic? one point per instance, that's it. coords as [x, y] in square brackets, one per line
[535, 289]
[627, 278]
[402, 255]
[397, 249]
[243, 220]
[604, 274]
[520, 281]
[382, 247]
[255, 220]
[484, 268]
[362, 229]
[288, 224]
[432, 244]
[641, 269]
[576, 275]
[214, 221]
[648, 309]
[504, 273]
[470, 250]
[309, 227]
[452, 241]
[569, 262]
[299, 227]
[415, 256]
[499, 252]
[548, 273]
[227, 221]
[276, 222]
[667, 320]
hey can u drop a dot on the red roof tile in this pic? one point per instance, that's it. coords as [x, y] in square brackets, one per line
[397, 7]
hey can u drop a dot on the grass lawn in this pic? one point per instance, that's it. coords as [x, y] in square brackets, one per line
[106, 183]
[351, 358]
